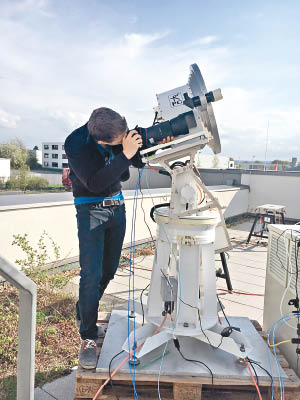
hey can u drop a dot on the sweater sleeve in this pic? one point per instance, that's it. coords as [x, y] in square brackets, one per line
[136, 160]
[94, 177]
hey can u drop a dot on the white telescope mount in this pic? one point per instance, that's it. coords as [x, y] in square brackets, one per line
[183, 281]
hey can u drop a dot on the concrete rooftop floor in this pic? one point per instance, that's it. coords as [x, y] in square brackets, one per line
[247, 267]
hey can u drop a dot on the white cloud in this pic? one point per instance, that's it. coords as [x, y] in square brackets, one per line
[208, 39]
[243, 117]
[12, 8]
[72, 119]
[8, 120]
[134, 43]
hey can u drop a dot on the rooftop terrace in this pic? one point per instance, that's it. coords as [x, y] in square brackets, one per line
[247, 266]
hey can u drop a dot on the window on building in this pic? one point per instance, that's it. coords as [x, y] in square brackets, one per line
[65, 165]
[46, 147]
[46, 155]
[63, 147]
[46, 164]
[55, 147]
[54, 155]
[64, 156]
[55, 164]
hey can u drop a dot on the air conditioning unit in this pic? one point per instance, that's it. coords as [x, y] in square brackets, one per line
[280, 284]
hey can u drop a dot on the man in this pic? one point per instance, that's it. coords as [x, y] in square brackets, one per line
[99, 153]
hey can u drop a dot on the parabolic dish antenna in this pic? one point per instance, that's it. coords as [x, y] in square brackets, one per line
[198, 88]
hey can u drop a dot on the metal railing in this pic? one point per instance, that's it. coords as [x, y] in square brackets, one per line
[26, 333]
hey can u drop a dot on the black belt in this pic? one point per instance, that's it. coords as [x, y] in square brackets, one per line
[109, 203]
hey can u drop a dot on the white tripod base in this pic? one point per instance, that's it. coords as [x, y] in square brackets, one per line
[235, 344]
[145, 335]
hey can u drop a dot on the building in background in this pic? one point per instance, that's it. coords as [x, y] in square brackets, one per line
[274, 165]
[4, 169]
[213, 161]
[54, 155]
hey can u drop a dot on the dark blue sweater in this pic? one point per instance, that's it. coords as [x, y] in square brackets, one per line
[88, 172]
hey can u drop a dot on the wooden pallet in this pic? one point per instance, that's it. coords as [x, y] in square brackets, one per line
[182, 388]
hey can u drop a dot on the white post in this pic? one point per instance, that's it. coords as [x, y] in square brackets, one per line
[27, 323]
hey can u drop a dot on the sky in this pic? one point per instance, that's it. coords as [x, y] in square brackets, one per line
[60, 59]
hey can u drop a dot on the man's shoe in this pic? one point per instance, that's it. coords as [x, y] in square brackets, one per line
[100, 330]
[87, 354]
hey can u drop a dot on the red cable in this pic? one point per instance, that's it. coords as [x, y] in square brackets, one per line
[144, 269]
[154, 169]
[237, 292]
[253, 379]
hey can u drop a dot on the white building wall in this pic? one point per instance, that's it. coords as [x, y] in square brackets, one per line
[54, 155]
[59, 220]
[4, 169]
[279, 189]
[213, 161]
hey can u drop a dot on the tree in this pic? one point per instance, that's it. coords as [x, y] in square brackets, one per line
[35, 148]
[16, 151]
[23, 177]
[281, 162]
[32, 161]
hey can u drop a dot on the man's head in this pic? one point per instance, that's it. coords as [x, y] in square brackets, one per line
[107, 126]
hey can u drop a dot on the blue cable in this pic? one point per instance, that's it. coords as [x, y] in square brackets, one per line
[276, 359]
[133, 262]
[129, 292]
[131, 266]
[275, 328]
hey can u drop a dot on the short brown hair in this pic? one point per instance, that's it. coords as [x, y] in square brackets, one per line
[106, 124]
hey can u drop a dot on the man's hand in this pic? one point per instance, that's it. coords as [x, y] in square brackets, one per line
[166, 140]
[131, 143]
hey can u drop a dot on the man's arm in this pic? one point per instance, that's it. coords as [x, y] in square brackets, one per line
[94, 177]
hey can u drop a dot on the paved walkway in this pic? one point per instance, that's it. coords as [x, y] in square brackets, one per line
[247, 267]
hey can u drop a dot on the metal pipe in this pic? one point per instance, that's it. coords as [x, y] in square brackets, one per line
[27, 323]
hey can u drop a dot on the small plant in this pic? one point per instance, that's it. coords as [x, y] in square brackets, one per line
[34, 265]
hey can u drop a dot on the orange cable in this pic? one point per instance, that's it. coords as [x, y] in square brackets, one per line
[201, 195]
[219, 319]
[253, 379]
[126, 359]
[194, 165]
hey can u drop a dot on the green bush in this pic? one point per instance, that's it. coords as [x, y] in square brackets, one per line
[36, 183]
[55, 188]
[12, 183]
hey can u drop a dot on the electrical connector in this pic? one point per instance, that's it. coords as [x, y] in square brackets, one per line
[295, 340]
[176, 343]
[228, 331]
[294, 302]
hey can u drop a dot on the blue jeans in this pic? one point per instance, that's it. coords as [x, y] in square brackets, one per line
[101, 233]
